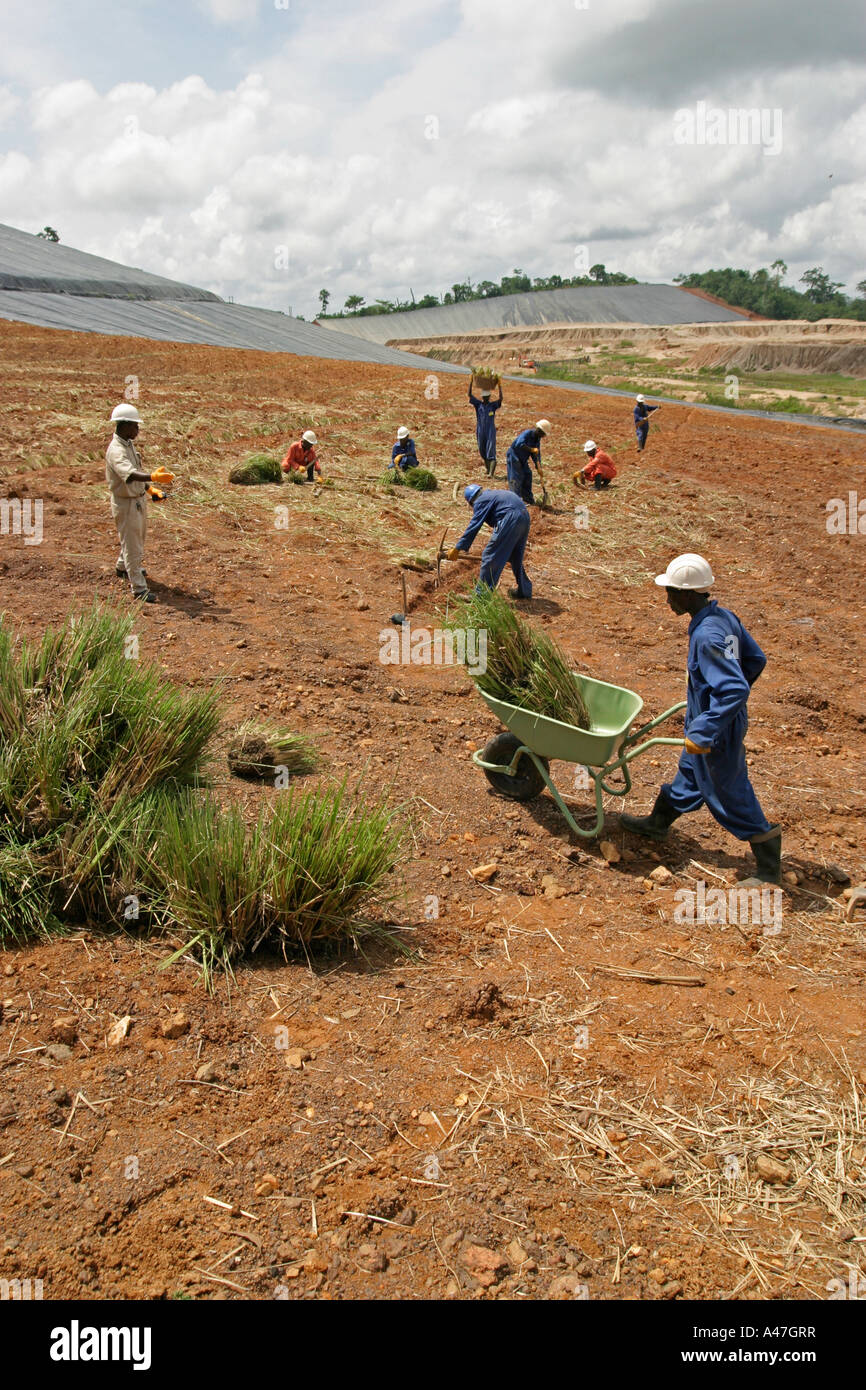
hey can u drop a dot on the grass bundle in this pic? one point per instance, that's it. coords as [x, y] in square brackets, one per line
[257, 751]
[524, 667]
[486, 377]
[421, 479]
[393, 477]
[256, 470]
[297, 878]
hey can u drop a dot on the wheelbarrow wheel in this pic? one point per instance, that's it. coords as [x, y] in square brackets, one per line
[527, 781]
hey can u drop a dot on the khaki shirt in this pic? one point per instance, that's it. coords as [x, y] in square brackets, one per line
[121, 459]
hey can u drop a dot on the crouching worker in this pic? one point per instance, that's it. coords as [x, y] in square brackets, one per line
[301, 456]
[403, 454]
[724, 662]
[128, 485]
[510, 520]
[599, 468]
[523, 453]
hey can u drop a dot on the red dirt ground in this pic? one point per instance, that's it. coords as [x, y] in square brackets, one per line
[371, 1124]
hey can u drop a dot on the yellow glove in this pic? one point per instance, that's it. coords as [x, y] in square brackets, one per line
[579, 478]
[398, 458]
[155, 494]
[162, 477]
[455, 554]
[694, 747]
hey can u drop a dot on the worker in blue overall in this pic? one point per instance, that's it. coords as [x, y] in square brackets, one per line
[523, 452]
[485, 424]
[724, 662]
[642, 412]
[510, 520]
[403, 454]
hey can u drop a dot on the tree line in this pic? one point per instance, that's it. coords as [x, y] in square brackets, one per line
[516, 283]
[764, 292]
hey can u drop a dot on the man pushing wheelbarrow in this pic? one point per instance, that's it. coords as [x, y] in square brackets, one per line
[724, 661]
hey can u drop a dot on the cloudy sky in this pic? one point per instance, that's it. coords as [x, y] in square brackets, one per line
[266, 148]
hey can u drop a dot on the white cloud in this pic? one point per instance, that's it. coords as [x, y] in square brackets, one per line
[322, 146]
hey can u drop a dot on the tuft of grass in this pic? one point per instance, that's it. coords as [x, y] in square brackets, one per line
[297, 878]
[27, 898]
[421, 479]
[393, 477]
[257, 750]
[257, 469]
[525, 667]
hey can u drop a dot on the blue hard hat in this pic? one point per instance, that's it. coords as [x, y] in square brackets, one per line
[471, 492]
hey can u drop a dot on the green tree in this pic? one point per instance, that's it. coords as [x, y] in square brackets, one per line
[861, 288]
[820, 287]
[598, 273]
[48, 234]
[781, 270]
[353, 302]
[324, 300]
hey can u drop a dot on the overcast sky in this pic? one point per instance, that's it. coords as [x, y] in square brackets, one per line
[266, 148]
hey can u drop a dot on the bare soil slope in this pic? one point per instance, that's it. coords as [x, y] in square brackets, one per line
[564, 1089]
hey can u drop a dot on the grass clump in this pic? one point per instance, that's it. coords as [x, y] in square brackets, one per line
[524, 667]
[421, 479]
[256, 470]
[258, 751]
[104, 817]
[393, 477]
[298, 877]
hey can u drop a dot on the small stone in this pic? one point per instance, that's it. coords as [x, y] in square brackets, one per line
[362, 605]
[65, 1029]
[174, 1026]
[551, 888]
[350, 1013]
[660, 874]
[566, 1286]
[372, 1259]
[267, 1184]
[609, 852]
[516, 1253]
[208, 1071]
[118, 1030]
[59, 1052]
[486, 1266]
[655, 1174]
[483, 873]
[672, 1289]
[771, 1170]
[790, 878]
[296, 1057]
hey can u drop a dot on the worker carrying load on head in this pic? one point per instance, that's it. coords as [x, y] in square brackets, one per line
[130, 490]
[510, 520]
[724, 662]
[403, 454]
[485, 423]
[599, 468]
[523, 452]
[642, 412]
[302, 456]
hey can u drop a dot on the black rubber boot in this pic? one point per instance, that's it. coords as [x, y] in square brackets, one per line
[656, 825]
[767, 850]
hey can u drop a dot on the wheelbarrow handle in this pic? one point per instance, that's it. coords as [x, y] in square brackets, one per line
[653, 723]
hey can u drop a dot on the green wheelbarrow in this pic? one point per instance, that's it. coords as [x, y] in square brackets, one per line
[516, 763]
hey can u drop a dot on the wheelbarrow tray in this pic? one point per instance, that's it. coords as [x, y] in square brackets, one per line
[612, 711]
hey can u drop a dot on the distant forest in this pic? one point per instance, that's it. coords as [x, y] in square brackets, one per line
[516, 283]
[762, 291]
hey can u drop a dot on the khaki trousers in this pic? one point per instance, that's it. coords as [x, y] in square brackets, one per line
[130, 516]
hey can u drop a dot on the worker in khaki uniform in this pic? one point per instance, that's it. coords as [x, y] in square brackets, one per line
[130, 491]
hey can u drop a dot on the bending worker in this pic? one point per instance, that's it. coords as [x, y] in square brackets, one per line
[403, 454]
[522, 453]
[128, 485]
[302, 455]
[510, 520]
[642, 412]
[485, 424]
[598, 469]
[724, 662]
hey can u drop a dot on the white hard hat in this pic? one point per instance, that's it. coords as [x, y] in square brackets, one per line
[310, 437]
[639, 398]
[486, 392]
[687, 572]
[402, 432]
[543, 425]
[126, 412]
[590, 446]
